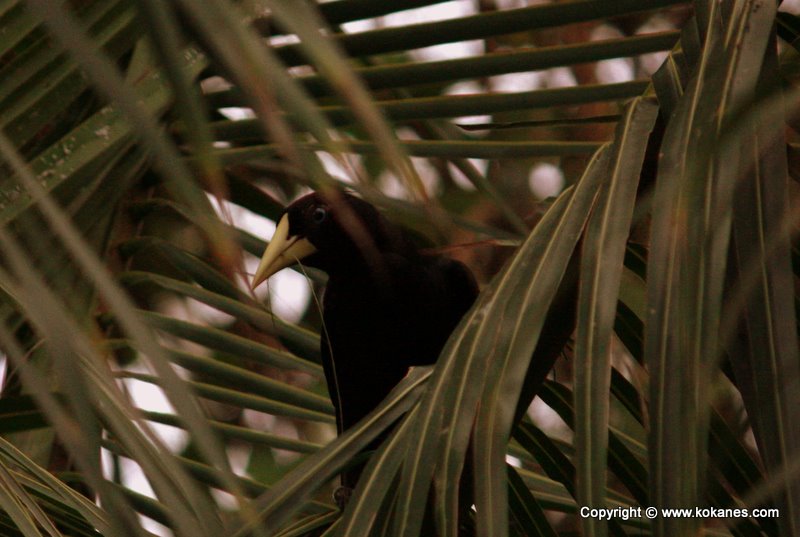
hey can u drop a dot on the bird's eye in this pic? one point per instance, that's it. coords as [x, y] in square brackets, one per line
[319, 215]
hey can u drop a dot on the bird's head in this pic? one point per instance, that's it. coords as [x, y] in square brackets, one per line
[326, 234]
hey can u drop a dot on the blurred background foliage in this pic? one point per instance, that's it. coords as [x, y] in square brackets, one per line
[645, 149]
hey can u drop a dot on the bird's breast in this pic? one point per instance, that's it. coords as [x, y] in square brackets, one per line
[374, 325]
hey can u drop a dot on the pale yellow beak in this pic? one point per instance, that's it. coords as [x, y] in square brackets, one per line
[282, 251]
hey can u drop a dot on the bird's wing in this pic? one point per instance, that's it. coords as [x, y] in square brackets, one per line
[460, 287]
[434, 295]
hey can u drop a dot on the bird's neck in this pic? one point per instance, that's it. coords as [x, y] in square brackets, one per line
[366, 268]
[368, 278]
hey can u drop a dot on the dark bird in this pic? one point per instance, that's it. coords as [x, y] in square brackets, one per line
[387, 305]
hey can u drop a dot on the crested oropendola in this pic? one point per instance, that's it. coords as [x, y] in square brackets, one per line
[387, 305]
